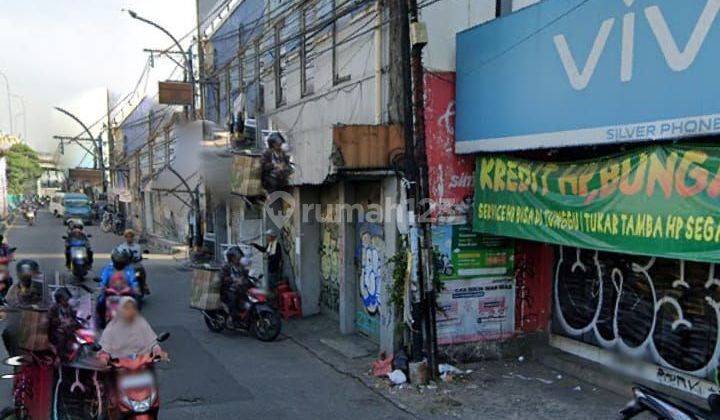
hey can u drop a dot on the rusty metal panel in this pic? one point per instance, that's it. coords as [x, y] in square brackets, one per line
[175, 93]
[368, 146]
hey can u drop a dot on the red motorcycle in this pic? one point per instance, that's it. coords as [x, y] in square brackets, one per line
[117, 288]
[136, 385]
[258, 317]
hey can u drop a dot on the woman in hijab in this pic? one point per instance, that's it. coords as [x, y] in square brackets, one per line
[129, 334]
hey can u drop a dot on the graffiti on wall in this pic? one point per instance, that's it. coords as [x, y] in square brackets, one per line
[330, 267]
[659, 310]
[372, 247]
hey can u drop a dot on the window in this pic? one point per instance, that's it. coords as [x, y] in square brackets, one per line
[338, 23]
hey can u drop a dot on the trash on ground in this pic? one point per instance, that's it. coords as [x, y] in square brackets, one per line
[397, 377]
[383, 366]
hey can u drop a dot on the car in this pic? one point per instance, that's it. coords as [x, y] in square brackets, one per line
[77, 206]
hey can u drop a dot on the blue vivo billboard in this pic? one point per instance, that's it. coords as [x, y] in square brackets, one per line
[574, 72]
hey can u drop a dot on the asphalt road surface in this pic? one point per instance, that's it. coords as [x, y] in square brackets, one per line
[214, 376]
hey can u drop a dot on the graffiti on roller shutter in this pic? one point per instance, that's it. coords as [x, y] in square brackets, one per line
[329, 267]
[372, 247]
[659, 310]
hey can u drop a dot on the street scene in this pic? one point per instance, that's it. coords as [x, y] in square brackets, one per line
[353, 209]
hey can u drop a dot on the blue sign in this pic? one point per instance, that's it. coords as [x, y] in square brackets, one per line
[577, 72]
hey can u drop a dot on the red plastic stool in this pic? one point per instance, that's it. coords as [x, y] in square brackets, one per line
[290, 305]
[283, 287]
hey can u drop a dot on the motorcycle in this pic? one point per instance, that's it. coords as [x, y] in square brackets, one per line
[663, 406]
[29, 215]
[79, 257]
[137, 391]
[258, 318]
[106, 224]
[113, 293]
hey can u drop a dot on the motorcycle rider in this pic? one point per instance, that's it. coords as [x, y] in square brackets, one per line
[24, 294]
[234, 282]
[135, 252]
[129, 334]
[63, 322]
[77, 234]
[120, 265]
[4, 247]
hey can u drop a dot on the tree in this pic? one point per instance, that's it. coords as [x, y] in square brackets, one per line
[23, 168]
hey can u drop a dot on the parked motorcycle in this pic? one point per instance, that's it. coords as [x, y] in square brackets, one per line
[259, 318]
[663, 406]
[79, 257]
[137, 390]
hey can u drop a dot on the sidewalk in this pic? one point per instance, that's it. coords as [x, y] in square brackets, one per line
[495, 389]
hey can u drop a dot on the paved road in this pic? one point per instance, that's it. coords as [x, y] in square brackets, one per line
[216, 376]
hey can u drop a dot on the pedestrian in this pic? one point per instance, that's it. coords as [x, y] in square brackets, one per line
[273, 252]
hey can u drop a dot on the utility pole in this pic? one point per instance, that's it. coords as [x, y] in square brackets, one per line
[201, 59]
[413, 40]
[111, 141]
[98, 155]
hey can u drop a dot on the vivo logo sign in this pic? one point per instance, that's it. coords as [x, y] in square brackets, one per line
[580, 72]
[678, 59]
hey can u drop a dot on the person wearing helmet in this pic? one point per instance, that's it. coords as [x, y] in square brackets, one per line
[26, 292]
[62, 324]
[275, 164]
[234, 281]
[133, 249]
[119, 266]
[76, 237]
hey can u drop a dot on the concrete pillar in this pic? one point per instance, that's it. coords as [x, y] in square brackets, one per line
[306, 229]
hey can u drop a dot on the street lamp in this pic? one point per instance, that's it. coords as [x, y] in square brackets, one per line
[187, 58]
[98, 145]
[7, 88]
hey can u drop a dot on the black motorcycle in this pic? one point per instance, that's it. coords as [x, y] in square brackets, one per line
[258, 317]
[663, 406]
[80, 263]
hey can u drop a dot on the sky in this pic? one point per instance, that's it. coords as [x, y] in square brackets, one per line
[67, 52]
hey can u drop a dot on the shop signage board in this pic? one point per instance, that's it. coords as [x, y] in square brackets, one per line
[476, 310]
[657, 200]
[578, 72]
[467, 254]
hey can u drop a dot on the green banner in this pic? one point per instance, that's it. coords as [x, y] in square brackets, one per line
[660, 200]
[463, 253]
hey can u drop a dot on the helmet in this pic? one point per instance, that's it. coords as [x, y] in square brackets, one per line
[62, 294]
[234, 253]
[275, 137]
[26, 269]
[120, 258]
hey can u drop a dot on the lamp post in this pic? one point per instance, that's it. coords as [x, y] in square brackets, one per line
[9, 101]
[187, 58]
[99, 158]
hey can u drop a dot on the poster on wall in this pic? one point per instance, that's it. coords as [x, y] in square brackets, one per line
[476, 310]
[450, 176]
[657, 200]
[463, 253]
